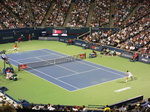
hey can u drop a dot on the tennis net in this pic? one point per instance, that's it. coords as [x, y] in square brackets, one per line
[43, 63]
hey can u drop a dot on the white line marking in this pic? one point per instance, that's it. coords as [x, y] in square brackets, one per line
[12, 49]
[92, 70]
[96, 84]
[59, 65]
[55, 78]
[51, 52]
[46, 79]
[14, 61]
[67, 69]
[78, 73]
[49, 76]
[35, 57]
[122, 89]
[26, 58]
[87, 64]
[101, 68]
[100, 65]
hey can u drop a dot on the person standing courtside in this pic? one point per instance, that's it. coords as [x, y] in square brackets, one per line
[4, 57]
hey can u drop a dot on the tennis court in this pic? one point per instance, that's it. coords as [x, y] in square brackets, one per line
[72, 76]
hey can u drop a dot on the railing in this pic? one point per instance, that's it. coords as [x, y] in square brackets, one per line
[83, 34]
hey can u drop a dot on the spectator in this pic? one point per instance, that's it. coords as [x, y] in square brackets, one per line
[107, 109]
[7, 108]
[36, 107]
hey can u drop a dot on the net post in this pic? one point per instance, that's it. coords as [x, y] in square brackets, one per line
[54, 61]
[85, 55]
[4, 64]
[4, 67]
[18, 67]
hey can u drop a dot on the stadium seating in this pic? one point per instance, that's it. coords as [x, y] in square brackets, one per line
[131, 16]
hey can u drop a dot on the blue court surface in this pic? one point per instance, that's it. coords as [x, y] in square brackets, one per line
[71, 76]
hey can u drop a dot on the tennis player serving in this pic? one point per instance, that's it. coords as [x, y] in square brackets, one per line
[129, 75]
[15, 48]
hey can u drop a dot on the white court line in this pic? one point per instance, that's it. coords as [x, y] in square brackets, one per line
[95, 66]
[37, 56]
[12, 49]
[59, 66]
[96, 84]
[67, 69]
[78, 73]
[79, 62]
[90, 71]
[93, 69]
[101, 68]
[85, 71]
[58, 54]
[67, 83]
[32, 57]
[52, 77]
[87, 64]
[14, 61]
[122, 89]
[55, 78]
[51, 52]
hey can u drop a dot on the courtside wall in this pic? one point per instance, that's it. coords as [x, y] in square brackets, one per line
[12, 35]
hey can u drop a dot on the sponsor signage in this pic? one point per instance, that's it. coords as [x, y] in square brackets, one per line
[145, 60]
[87, 45]
[6, 38]
[126, 55]
[140, 58]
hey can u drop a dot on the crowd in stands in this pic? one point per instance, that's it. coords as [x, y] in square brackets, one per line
[51, 107]
[8, 20]
[140, 12]
[79, 14]
[122, 9]
[19, 8]
[7, 104]
[39, 9]
[133, 37]
[101, 13]
[19, 13]
[59, 12]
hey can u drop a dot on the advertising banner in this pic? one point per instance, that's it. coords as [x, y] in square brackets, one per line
[145, 60]
[127, 55]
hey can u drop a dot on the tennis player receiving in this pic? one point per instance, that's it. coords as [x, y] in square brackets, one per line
[129, 75]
